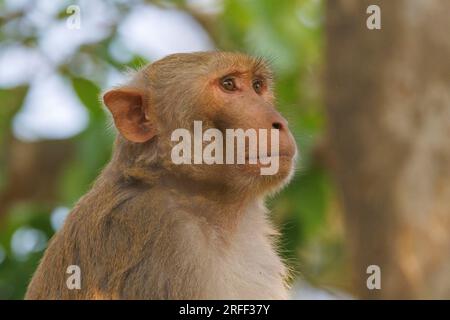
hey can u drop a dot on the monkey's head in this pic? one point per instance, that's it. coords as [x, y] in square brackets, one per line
[188, 106]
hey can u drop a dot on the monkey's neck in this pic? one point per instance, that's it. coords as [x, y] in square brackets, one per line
[219, 205]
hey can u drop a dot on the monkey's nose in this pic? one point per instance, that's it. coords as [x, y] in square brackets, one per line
[277, 121]
[277, 125]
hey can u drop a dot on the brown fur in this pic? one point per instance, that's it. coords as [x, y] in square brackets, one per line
[149, 229]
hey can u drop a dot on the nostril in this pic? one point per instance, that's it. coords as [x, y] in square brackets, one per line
[277, 125]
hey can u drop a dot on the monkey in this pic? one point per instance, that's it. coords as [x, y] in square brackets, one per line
[152, 229]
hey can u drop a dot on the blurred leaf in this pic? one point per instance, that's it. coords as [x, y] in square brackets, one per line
[89, 94]
[312, 195]
[16, 273]
[10, 102]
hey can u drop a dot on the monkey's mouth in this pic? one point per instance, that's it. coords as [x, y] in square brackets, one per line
[269, 157]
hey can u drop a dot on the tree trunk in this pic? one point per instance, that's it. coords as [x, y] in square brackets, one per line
[388, 103]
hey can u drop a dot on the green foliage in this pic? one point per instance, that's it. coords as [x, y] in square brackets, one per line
[17, 269]
[89, 94]
[10, 102]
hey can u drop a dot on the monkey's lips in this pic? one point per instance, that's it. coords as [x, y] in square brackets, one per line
[282, 155]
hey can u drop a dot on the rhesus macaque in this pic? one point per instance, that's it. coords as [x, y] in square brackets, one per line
[152, 229]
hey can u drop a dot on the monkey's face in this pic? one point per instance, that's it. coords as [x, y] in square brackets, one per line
[241, 106]
[238, 101]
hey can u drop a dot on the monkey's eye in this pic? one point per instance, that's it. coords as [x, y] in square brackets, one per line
[228, 84]
[258, 85]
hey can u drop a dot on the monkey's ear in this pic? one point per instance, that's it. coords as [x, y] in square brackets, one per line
[130, 115]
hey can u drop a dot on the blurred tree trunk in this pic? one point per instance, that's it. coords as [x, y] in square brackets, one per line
[33, 171]
[388, 103]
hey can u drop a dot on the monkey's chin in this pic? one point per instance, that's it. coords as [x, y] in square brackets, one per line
[283, 176]
[270, 183]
